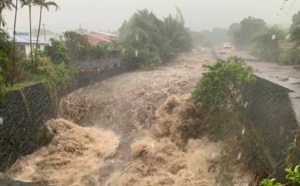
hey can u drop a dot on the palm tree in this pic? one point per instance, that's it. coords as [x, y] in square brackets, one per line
[15, 24]
[29, 3]
[42, 4]
[5, 4]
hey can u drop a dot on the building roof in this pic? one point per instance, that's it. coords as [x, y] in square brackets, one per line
[25, 39]
[108, 34]
[99, 37]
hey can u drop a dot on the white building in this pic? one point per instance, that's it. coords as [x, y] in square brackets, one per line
[23, 42]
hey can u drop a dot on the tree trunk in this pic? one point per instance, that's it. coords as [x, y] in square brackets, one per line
[38, 34]
[1, 10]
[30, 35]
[14, 61]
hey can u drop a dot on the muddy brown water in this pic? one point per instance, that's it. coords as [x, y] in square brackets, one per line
[126, 104]
[122, 109]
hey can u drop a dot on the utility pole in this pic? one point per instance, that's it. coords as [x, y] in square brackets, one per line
[44, 32]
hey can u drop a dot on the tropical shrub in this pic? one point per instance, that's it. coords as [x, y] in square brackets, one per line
[99, 51]
[57, 51]
[267, 44]
[220, 88]
[6, 59]
[292, 178]
[78, 45]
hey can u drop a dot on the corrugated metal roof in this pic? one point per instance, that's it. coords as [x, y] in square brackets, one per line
[99, 37]
[26, 40]
[108, 34]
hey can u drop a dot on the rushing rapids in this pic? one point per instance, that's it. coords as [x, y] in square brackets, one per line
[128, 131]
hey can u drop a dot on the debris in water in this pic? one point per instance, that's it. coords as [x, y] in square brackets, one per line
[246, 104]
[74, 153]
[239, 156]
[1, 121]
[243, 132]
[165, 165]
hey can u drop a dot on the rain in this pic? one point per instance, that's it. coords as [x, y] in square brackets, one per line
[146, 92]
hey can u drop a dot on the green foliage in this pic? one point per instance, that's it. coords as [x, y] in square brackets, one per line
[269, 182]
[56, 77]
[289, 54]
[233, 31]
[78, 45]
[57, 51]
[292, 176]
[147, 41]
[99, 51]
[295, 29]
[220, 88]
[250, 27]
[267, 46]
[6, 56]
[29, 3]
[5, 4]
[42, 4]
[58, 74]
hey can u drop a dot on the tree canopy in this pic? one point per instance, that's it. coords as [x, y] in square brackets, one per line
[295, 29]
[267, 43]
[57, 51]
[250, 27]
[77, 44]
[147, 40]
[6, 56]
[232, 31]
[220, 88]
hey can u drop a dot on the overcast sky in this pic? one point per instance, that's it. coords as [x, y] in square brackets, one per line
[198, 14]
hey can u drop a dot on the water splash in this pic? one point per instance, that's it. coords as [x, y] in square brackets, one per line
[239, 156]
[243, 132]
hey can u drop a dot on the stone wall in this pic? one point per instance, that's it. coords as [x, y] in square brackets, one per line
[85, 78]
[273, 122]
[23, 113]
[105, 63]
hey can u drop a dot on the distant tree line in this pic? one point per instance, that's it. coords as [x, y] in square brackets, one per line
[270, 43]
[208, 38]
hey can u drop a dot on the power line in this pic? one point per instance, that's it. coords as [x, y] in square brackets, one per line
[283, 5]
[289, 9]
[281, 11]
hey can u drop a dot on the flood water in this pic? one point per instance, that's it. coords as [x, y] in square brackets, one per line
[126, 131]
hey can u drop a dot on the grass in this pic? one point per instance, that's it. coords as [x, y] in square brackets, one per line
[30, 80]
